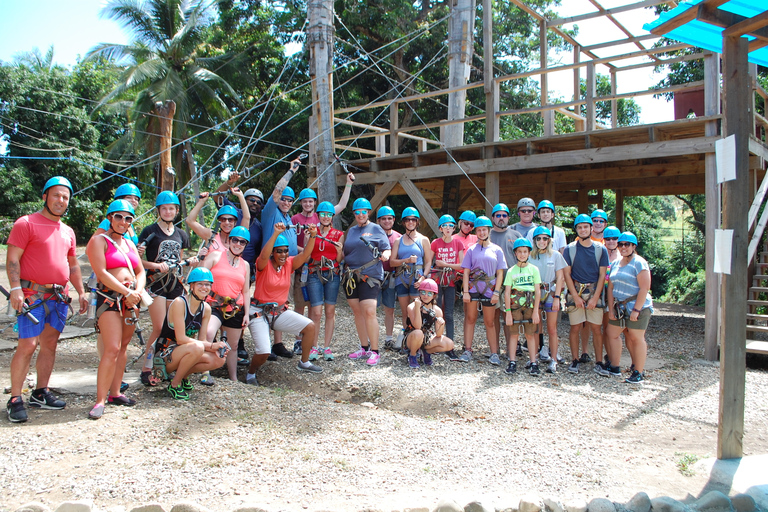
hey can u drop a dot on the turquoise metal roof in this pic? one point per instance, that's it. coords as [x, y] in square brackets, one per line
[708, 36]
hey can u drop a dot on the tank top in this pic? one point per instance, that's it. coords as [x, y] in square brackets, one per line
[406, 251]
[114, 258]
[228, 281]
[192, 324]
[327, 249]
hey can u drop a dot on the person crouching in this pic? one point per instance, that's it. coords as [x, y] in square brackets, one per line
[425, 326]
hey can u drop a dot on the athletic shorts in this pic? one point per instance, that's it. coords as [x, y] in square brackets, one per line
[581, 315]
[56, 318]
[289, 321]
[525, 314]
[387, 297]
[363, 291]
[236, 322]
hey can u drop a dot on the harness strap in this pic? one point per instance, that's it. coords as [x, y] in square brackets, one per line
[267, 310]
[521, 299]
[476, 276]
[224, 303]
[350, 277]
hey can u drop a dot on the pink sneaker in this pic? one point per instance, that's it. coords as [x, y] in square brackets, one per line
[373, 359]
[359, 354]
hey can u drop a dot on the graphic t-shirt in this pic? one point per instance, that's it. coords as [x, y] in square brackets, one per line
[523, 279]
[447, 252]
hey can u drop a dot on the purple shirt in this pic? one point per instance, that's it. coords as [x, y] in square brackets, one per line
[489, 260]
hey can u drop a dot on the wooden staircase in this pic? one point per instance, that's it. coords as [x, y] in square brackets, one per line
[757, 324]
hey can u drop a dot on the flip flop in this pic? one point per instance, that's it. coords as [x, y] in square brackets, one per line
[96, 412]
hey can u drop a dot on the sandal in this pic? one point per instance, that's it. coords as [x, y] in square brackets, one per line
[148, 379]
[96, 412]
[121, 400]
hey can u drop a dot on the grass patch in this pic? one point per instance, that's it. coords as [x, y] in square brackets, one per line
[685, 463]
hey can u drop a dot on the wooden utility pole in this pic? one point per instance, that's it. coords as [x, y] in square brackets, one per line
[460, 44]
[489, 84]
[320, 40]
[165, 112]
[712, 189]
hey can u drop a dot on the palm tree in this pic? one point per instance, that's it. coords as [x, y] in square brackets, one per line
[35, 61]
[164, 62]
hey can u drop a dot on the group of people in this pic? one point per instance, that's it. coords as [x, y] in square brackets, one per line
[523, 269]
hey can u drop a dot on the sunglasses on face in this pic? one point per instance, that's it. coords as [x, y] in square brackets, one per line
[541, 239]
[424, 292]
[255, 200]
[281, 251]
[227, 219]
[360, 212]
[119, 217]
[410, 219]
[624, 244]
[467, 223]
[325, 214]
[287, 199]
[500, 215]
[238, 241]
[598, 221]
[612, 239]
[525, 211]
[449, 226]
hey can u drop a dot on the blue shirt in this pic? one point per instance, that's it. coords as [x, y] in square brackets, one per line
[270, 216]
[624, 281]
[585, 269]
[356, 254]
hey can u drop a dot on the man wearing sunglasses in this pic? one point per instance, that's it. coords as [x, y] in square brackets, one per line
[599, 223]
[525, 210]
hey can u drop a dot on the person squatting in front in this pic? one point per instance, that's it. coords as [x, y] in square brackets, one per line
[41, 249]
[182, 346]
[484, 267]
[522, 295]
[425, 327]
[365, 248]
[449, 253]
[121, 279]
[228, 298]
[274, 269]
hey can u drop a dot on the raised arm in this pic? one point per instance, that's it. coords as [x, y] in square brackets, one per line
[191, 220]
[285, 180]
[342, 204]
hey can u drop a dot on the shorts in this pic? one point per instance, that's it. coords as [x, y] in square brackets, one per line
[363, 291]
[156, 290]
[548, 305]
[387, 296]
[581, 315]
[289, 321]
[320, 293]
[525, 314]
[482, 299]
[56, 318]
[642, 321]
[405, 291]
[236, 322]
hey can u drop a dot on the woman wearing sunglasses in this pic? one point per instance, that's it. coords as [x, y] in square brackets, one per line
[425, 326]
[121, 279]
[226, 218]
[449, 253]
[629, 294]
[229, 292]
[411, 256]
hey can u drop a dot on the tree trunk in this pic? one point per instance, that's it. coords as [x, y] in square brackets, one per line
[165, 112]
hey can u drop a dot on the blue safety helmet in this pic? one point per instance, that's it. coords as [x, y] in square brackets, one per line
[541, 230]
[582, 218]
[227, 210]
[483, 221]
[385, 211]
[522, 242]
[446, 219]
[468, 216]
[501, 207]
[361, 203]
[611, 232]
[599, 213]
[166, 197]
[120, 205]
[281, 241]
[58, 180]
[326, 207]
[545, 204]
[288, 192]
[127, 189]
[307, 193]
[628, 236]
[240, 232]
[410, 212]
[198, 274]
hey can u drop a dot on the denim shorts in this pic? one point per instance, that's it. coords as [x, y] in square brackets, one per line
[404, 291]
[320, 293]
[387, 297]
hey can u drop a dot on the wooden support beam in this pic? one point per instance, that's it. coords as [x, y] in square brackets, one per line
[548, 116]
[573, 19]
[394, 124]
[426, 211]
[492, 191]
[492, 104]
[712, 207]
[747, 26]
[730, 428]
[684, 17]
[614, 103]
[618, 42]
[590, 97]
[382, 191]
[583, 200]
[619, 212]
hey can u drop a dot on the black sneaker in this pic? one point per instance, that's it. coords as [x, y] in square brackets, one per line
[613, 370]
[271, 357]
[574, 366]
[44, 399]
[279, 350]
[452, 355]
[534, 370]
[123, 386]
[600, 370]
[511, 368]
[635, 378]
[584, 358]
[519, 350]
[16, 411]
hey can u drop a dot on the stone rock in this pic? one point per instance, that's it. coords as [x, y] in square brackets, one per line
[34, 506]
[530, 504]
[417, 509]
[149, 507]
[575, 506]
[446, 505]
[640, 502]
[188, 506]
[75, 506]
[744, 503]
[601, 505]
[246, 509]
[477, 506]
[713, 501]
[553, 505]
[667, 504]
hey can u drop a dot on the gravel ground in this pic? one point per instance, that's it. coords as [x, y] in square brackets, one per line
[387, 437]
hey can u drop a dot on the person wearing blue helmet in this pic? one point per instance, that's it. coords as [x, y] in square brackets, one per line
[546, 213]
[522, 296]
[483, 268]
[449, 253]
[466, 226]
[121, 281]
[611, 242]
[131, 193]
[254, 198]
[587, 263]
[41, 249]
[226, 220]
[504, 236]
[629, 295]
[385, 217]
[365, 248]
[599, 222]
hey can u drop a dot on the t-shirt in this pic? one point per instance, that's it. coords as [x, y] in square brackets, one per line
[624, 281]
[270, 216]
[356, 254]
[523, 230]
[271, 285]
[585, 268]
[558, 238]
[165, 248]
[506, 240]
[548, 265]
[133, 238]
[394, 235]
[523, 279]
[448, 253]
[251, 251]
[468, 240]
[489, 260]
[48, 245]
[300, 218]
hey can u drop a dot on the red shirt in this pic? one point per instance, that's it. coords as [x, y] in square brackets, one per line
[47, 246]
[228, 281]
[468, 241]
[394, 235]
[327, 249]
[271, 285]
[448, 253]
[300, 218]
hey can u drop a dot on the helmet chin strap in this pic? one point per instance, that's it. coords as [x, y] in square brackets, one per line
[584, 237]
[195, 295]
[45, 205]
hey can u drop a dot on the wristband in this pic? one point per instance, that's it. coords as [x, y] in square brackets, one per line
[15, 288]
[508, 309]
[637, 310]
[496, 292]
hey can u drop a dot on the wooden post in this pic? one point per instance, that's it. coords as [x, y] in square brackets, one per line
[165, 112]
[584, 201]
[547, 115]
[491, 190]
[590, 96]
[730, 428]
[320, 39]
[576, 74]
[614, 102]
[195, 182]
[620, 209]
[490, 87]
[460, 45]
[427, 213]
[394, 124]
[712, 201]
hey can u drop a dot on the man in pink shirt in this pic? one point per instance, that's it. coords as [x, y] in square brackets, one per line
[41, 259]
